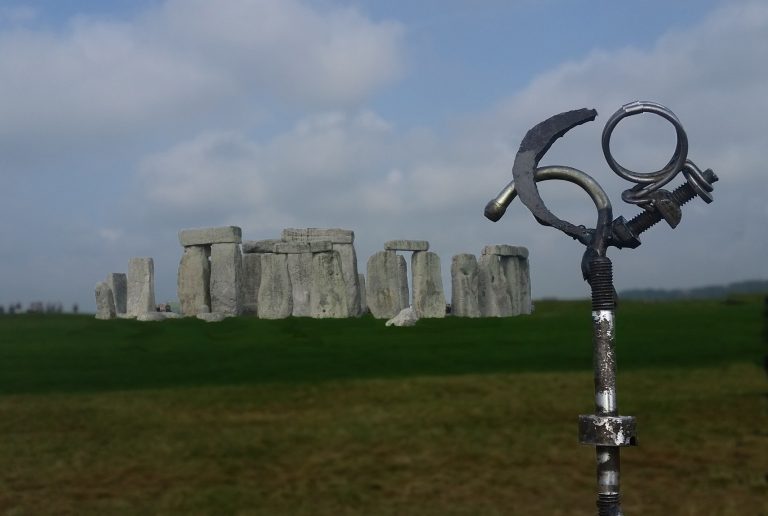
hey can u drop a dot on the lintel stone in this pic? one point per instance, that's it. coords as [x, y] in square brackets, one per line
[295, 247]
[406, 245]
[506, 250]
[208, 236]
[260, 246]
[334, 235]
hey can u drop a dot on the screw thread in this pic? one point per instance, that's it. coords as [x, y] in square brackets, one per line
[609, 504]
[601, 281]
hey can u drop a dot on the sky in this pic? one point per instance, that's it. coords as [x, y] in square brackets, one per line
[123, 122]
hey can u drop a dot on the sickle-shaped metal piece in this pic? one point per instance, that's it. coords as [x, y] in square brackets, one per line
[535, 144]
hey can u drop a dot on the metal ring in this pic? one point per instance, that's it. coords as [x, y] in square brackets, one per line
[663, 175]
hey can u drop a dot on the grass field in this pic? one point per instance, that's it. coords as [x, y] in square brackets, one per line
[454, 416]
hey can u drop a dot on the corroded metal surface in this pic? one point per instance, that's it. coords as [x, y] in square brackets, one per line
[606, 429]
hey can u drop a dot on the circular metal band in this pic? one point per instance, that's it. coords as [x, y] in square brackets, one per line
[661, 176]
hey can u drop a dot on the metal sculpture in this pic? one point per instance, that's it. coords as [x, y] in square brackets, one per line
[605, 429]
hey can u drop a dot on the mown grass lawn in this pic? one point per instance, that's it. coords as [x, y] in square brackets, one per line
[453, 416]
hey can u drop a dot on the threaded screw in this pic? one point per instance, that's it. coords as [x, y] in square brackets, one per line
[681, 195]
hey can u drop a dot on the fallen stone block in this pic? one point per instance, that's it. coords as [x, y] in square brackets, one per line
[105, 303]
[428, 293]
[406, 317]
[260, 246]
[329, 293]
[118, 283]
[406, 245]
[208, 236]
[226, 272]
[464, 283]
[151, 317]
[211, 317]
[141, 286]
[334, 235]
[193, 279]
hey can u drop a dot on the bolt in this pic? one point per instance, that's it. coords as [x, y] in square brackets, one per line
[681, 195]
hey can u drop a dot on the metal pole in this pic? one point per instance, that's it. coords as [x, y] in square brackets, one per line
[605, 430]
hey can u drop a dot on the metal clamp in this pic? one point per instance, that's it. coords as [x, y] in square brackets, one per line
[607, 430]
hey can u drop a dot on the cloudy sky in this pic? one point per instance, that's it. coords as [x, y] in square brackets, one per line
[122, 122]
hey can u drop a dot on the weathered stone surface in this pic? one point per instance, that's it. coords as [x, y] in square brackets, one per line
[505, 250]
[406, 317]
[251, 281]
[141, 286]
[171, 315]
[193, 280]
[151, 317]
[118, 283]
[348, 258]
[517, 273]
[402, 285]
[226, 274]
[315, 246]
[428, 293]
[383, 285]
[300, 273]
[208, 236]
[105, 302]
[260, 246]
[406, 245]
[211, 317]
[275, 292]
[493, 293]
[363, 294]
[334, 235]
[464, 283]
[329, 291]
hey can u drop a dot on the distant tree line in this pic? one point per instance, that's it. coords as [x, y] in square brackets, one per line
[36, 307]
[706, 292]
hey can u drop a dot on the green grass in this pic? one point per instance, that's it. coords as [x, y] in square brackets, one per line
[67, 353]
[451, 417]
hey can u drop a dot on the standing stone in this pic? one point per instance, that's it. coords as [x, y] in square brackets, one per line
[275, 298]
[402, 278]
[428, 294]
[141, 286]
[105, 303]
[118, 283]
[348, 258]
[524, 283]
[383, 285]
[329, 291]
[226, 272]
[342, 241]
[251, 281]
[363, 294]
[464, 283]
[300, 273]
[193, 279]
[493, 293]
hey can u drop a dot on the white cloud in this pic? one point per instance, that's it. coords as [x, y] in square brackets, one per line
[184, 61]
[357, 170]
